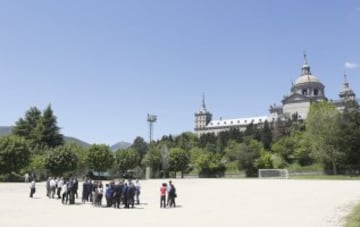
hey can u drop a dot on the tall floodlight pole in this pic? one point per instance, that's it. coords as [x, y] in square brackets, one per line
[151, 118]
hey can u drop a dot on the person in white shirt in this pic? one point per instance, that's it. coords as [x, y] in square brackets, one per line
[64, 193]
[137, 191]
[59, 185]
[52, 187]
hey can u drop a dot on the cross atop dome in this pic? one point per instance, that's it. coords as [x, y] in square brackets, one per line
[305, 67]
[305, 60]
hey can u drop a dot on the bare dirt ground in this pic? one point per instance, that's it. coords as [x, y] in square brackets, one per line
[200, 202]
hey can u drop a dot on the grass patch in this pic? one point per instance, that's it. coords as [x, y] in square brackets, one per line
[326, 177]
[353, 219]
[298, 168]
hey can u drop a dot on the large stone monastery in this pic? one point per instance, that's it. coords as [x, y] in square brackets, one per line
[306, 89]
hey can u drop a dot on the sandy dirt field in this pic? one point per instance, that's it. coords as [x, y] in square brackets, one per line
[200, 202]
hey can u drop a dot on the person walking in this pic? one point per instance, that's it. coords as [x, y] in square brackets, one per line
[171, 195]
[163, 189]
[48, 187]
[27, 177]
[137, 191]
[64, 191]
[52, 187]
[118, 194]
[32, 188]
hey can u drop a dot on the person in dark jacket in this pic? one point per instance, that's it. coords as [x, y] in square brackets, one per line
[109, 191]
[171, 195]
[76, 187]
[32, 188]
[125, 195]
[131, 195]
[70, 191]
[85, 191]
[118, 193]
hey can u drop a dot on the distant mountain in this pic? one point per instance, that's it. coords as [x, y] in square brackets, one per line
[5, 130]
[69, 139]
[120, 145]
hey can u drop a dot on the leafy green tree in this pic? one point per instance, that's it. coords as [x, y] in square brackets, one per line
[195, 152]
[14, 154]
[100, 158]
[141, 147]
[252, 131]
[207, 140]
[164, 151]
[81, 153]
[211, 147]
[47, 132]
[152, 158]
[303, 149]
[249, 152]
[349, 136]
[24, 127]
[277, 161]
[221, 141]
[323, 128]
[265, 161]
[61, 159]
[280, 128]
[40, 130]
[179, 160]
[232, 151]
[186, 140]
[37, 164]
[266, 135]
[235, 134]
[210, 164]
[126, 159]
[285, 147]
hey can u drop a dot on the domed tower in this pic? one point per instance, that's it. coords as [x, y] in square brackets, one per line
[202, 118]
[308, 85]
[306, 89]
[346, 93]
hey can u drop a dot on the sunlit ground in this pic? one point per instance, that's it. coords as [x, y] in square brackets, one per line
[200, 202]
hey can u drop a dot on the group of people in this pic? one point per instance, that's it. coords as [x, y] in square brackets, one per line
[64, 189]
[170, 190]
[126, 192]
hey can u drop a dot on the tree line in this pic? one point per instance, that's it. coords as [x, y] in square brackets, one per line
[327, 138]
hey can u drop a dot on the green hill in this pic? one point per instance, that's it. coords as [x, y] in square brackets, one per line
[5, 130]
[120, 145]
[69, 139]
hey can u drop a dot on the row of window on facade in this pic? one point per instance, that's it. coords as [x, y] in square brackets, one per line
[238, 121]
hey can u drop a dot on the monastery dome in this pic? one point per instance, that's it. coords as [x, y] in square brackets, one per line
[303, 79]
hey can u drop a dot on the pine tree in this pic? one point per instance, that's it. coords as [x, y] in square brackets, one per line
[266, 136]
[47, 133]
[24, 127]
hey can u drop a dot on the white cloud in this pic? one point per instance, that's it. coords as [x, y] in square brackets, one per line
[351, 65]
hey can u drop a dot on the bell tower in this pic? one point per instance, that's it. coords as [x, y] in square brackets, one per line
[347, 94]
[203, 117]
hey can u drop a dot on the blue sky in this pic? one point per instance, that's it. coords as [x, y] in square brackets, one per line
[103, 65]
